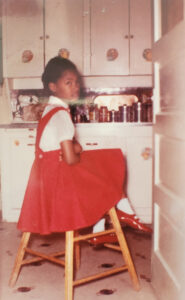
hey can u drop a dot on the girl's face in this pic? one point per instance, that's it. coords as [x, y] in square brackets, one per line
[67, 86]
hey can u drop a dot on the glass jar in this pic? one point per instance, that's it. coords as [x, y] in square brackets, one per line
[149, 110]
[130, 114]
[93, 114]
[103, 114]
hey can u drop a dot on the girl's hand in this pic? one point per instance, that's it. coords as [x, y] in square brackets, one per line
[77, 147]
[60, 155]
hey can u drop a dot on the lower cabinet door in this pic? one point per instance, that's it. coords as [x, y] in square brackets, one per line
[17, 155]
[17, 158]
[139, 176]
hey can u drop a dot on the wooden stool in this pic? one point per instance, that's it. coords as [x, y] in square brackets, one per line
[72, 249]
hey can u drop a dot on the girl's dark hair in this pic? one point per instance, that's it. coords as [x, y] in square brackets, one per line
[55, 69]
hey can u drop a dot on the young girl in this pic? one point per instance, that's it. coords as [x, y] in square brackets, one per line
[70, 188]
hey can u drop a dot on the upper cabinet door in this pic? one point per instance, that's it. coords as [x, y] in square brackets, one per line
[22, 38]
[140, 37]
[64, 29]
[109, 37]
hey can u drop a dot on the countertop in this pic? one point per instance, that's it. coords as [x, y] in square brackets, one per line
[110, 124]
[19, 125]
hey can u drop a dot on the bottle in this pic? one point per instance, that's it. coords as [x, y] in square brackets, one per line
[120, 114]
[86, 114]
[93, 113]
[135, 112]
[139, 112]
[149, 112]
[113, 116]
[143, 112]
[129, 113]
[124, 113]
[103, 114]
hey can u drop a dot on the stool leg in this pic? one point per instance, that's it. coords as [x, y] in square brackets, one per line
[77, 253]
[69, 248]
[19, 258]
[124, 247]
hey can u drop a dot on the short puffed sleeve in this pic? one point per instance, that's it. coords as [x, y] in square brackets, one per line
[59, 128]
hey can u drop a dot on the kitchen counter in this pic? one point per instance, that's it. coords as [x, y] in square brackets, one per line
[110, 124]
[19, 125]
[17, 151]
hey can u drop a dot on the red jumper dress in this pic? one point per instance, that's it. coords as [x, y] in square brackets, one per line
[61, 197]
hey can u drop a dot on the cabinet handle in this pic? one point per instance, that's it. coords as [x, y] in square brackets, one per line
[30, 144]
[91, 144]
[31, 136]
[131, 36]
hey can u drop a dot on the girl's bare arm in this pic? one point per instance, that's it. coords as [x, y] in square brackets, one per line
[70, 152]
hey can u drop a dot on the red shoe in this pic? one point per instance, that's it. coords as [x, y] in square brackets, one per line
[133, 221]
[102, 239]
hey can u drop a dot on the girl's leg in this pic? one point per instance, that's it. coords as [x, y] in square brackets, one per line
[101, 239]
[127, 216]
[99, 226]
[124, 205]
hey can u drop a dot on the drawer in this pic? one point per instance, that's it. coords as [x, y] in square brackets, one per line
[93, 143]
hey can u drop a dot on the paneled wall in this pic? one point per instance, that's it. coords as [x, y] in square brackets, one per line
[168, 258]
[172, 14]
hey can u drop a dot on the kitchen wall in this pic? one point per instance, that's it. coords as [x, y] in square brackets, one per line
[25, 74]
[0, 178]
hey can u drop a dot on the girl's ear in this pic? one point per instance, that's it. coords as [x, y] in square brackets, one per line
[52, 87]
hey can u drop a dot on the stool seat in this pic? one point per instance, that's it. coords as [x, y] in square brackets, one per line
[72, 254]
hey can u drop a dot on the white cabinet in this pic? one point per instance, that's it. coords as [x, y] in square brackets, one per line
[140, 36]
[42, 28]
[64, 29]
[94, 32]
[125, 27]
[22, 31]
[139, 179]
[135, 141]
[17, 154]
[109, 26]
[136, 144]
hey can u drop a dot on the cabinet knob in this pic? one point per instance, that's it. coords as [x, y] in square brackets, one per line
[17, 142]
[126, 36]
[146, 153]
[41, 38]
[47, 36]
[131, 36]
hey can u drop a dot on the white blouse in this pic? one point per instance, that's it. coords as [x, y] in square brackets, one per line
[59, 128]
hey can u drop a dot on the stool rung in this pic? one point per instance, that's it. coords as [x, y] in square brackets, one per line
[113, 247]
[90, 235]
[32, 260]
[50, 257]
[100, 275]
[72, 256]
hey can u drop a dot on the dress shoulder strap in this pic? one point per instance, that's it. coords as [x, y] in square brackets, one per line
[43, 122]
